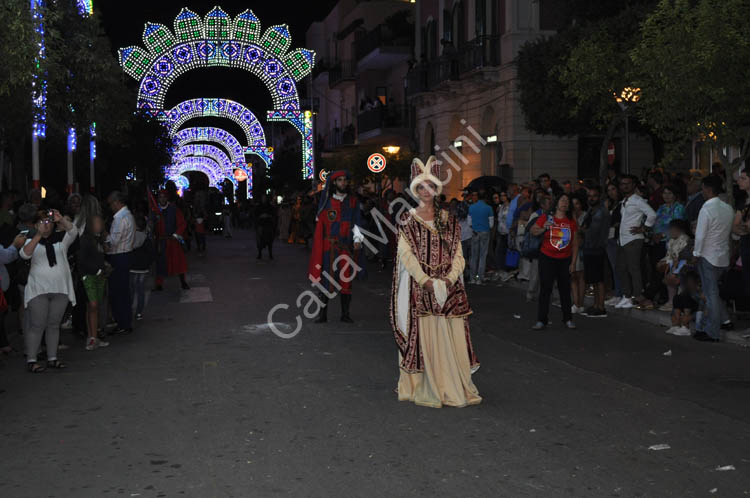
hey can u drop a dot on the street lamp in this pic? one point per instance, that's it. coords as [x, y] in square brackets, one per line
[629, 95]
[391, 149]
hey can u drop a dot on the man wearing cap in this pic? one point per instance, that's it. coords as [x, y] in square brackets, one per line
[336, 257]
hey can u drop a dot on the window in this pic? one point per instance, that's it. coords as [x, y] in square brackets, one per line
[459, 26]
[447, 26]
[480, 18]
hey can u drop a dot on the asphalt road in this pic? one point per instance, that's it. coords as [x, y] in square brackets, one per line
[204, 401]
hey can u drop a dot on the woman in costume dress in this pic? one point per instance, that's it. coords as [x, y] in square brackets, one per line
[429, 307]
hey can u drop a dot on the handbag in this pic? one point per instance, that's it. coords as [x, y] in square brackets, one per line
[512, 258]
[530, 245]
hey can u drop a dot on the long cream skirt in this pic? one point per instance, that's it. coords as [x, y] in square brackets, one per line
[446, 379]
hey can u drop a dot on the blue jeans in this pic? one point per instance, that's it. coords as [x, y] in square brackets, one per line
[715, 313]
[138, 291]
[501, 249]
[480, 242]
[119, 289]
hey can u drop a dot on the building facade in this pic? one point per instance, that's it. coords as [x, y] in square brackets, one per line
[464, 93]
[363, 51]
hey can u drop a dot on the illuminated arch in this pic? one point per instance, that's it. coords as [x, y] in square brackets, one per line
[227, 109]
[85, 7]
[210, 151]
[215, 41]
[214, 135]
[205, 165]
[219, 108]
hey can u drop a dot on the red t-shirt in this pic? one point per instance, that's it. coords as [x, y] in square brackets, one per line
[557, 241]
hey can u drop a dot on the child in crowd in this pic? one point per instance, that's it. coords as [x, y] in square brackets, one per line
[679, 250]
[142, 258]
[200, 232]
[94, 269]
[686, 304]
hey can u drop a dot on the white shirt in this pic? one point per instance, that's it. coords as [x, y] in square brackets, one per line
[465, 225]
[713, 231]
[122, 233]
[46, 279]
[634, 208]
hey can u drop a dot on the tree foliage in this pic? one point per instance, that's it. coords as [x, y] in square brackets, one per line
[691, 62]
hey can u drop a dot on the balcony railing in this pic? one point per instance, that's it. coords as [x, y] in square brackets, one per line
[338, 137]
[480, 52]
[392, 116]
[342, 71]
[381, 36]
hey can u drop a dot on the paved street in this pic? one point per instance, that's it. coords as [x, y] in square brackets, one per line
[204, 401]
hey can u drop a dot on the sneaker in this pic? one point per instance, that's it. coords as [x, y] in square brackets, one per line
[671, 329]
[139, 316]
[728, 325]
[681, 331]
[625, 303]
[538, 326]
[666, 307]
[93, 343]
[612, 301]
[595, 313]
[576, 309]
[122, 331]
[570, 324]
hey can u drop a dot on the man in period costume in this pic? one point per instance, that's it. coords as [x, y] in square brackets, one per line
[337, 257]
[170, 230]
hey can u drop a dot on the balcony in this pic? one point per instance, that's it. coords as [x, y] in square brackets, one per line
[380, 121]
[383, 48]
[476, 55]
[338, 138]
[342, 72]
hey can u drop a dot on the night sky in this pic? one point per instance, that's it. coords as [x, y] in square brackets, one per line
[124, 21]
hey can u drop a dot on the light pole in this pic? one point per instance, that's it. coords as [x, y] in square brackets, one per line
[628, 96]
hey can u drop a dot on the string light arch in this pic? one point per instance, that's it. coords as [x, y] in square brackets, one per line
[220, 41]
[214, 135]
[204, 165]
[210, 151]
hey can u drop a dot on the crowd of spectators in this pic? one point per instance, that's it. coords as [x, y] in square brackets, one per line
[668, 242]
[77, 263]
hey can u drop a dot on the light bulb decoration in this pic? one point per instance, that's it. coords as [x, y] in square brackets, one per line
[205, 165]
[220, 41]
[85, 7]
[39, 80]
[304, 123]
[203, 150]
[214, 107]
[214, 135]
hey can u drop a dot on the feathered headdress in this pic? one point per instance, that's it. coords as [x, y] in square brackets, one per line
[425, 172]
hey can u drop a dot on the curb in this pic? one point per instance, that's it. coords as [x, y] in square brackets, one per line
[658, 318]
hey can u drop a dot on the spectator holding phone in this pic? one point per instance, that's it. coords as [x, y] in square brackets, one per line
[49, 287]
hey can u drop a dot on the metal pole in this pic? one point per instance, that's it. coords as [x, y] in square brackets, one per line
[627, 144]
[35, 160]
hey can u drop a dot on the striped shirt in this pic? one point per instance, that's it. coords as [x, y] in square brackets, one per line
[122, 233]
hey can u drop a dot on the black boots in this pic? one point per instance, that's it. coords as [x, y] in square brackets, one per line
[346, 300]
[183, 282]
[323, 314]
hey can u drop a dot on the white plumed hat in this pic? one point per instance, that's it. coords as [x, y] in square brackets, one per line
[426, 172]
